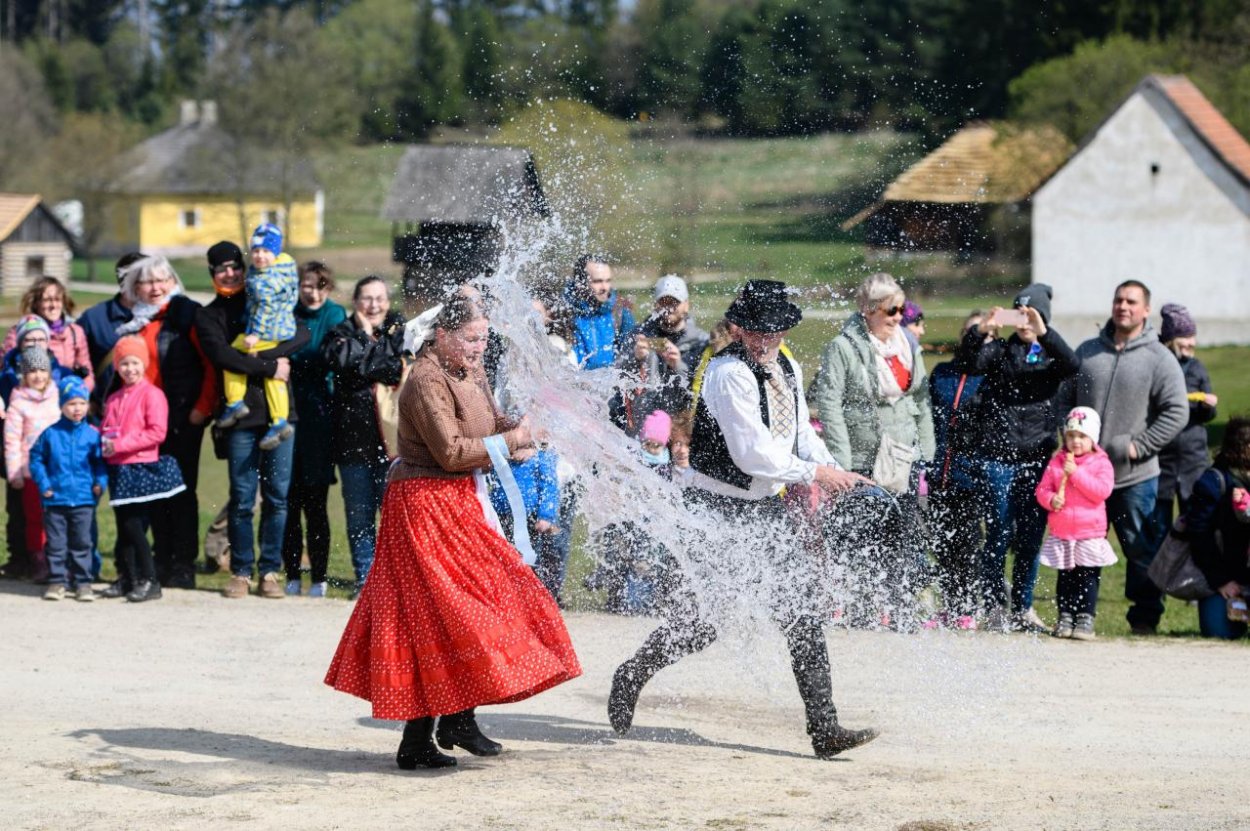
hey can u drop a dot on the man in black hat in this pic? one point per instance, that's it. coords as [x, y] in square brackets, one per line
[752, 436]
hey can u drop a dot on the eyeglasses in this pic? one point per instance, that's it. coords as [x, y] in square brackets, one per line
[890, 311]
[224, 267]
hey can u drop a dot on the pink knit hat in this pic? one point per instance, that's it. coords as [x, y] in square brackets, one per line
[657, 427]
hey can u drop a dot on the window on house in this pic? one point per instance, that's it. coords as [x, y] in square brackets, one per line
[190, 218]
[34, 268]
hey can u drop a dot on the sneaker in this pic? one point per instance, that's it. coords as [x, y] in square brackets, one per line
[54, 592]
[293, 588]
[997, 620]
[278, 433]
[1083, 629]
[271, 586]
[117, 588]
[85, 593]
[1063, 627]
[318, 589]
[966, 623]
[231, 415]
[1028, 621]
[239, 586]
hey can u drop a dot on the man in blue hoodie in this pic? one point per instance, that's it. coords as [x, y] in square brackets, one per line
[601, 317]
[1136, 385]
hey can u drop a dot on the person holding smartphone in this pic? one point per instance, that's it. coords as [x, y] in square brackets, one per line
[1017, 423]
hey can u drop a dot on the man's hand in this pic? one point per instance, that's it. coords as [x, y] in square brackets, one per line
[283, 370]
[671, 355]
[642, 347]
[1230, 590]
[836, 481]
[250, 341]
[1208, 398]
[1132, 451]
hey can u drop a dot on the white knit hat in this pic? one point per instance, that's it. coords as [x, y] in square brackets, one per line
[1083, 420]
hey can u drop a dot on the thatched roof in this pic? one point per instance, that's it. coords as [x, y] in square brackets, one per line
[202, 158]
[464, 185]
[981, 164]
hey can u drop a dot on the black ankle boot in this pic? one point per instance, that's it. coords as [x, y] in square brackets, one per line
[145, 590]
[118, 588]
[627, 684]
[416, 748]
[837, 739]
[461, 730]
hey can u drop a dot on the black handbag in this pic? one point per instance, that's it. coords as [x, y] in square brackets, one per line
[1173, 569]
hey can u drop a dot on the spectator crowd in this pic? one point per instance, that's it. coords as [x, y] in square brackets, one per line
[1020, 443]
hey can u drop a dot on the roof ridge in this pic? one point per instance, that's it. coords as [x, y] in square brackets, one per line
[21, 210]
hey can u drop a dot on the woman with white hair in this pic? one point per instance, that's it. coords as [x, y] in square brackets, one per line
[164, 317]
[873, 400]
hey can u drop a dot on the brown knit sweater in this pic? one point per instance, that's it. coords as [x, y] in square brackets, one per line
[442, 421]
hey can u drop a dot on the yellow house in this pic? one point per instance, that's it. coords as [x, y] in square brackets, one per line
[194, 184]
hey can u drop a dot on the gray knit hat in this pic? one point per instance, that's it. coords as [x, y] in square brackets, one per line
[35, 358]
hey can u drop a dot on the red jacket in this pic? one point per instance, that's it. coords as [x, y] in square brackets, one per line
[136, 419]
[1084, 514]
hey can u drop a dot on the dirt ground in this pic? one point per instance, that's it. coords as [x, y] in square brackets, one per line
[197, 712]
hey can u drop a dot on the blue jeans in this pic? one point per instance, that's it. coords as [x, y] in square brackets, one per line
[270, 472]
[364, 483]
[1213, 619]
[69, 543]
[1014, 520]
[1131, 512]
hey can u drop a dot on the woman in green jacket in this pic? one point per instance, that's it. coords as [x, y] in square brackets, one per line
[871, 385]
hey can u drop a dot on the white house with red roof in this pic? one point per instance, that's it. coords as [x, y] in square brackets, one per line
[1159, 192]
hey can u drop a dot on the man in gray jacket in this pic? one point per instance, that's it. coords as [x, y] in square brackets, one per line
[1138, 389]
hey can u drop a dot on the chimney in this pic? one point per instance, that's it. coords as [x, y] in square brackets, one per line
[188, 113]
[208, 112]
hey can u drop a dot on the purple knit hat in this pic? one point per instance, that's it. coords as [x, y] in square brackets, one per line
[912, 313]
[1177, 323]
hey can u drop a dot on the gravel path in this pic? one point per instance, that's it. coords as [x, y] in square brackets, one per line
[197, 712]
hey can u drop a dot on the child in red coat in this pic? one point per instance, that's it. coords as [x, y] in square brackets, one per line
[1074, 488]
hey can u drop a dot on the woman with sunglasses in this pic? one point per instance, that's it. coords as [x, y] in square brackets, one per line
[872, 387]
[1017, 424]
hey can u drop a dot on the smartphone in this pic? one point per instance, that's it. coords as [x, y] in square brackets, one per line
[658, 344]
[1011, 317]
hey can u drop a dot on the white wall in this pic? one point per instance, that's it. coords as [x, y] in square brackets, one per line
[1105, 218]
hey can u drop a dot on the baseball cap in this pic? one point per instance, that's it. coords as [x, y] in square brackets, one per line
[670, 285]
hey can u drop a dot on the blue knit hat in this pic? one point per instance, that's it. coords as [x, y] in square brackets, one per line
[72, 387]
[269, 237]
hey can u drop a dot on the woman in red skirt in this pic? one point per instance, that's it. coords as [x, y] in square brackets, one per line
[450, 618]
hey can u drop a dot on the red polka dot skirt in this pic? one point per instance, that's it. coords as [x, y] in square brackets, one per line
[450, 617]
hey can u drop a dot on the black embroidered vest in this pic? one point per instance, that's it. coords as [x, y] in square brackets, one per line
[708, 452]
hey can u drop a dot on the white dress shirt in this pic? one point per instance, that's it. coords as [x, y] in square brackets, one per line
[732, 397]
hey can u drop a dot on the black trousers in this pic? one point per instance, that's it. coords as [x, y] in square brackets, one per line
[134, 555]
[176, 521]
[1076, 590]
[686, 631]
[310, 502]
[956, 537]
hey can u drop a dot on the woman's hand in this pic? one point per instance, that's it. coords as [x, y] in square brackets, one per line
[542, 526]
[988, 324]
[521, 435]
[364, 324]
[1230, 590]
[1035, 320]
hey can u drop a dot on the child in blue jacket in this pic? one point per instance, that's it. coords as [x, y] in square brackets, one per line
[272, 291]
[68, 469]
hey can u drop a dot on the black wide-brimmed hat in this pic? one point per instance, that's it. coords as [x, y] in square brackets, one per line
[764, 306]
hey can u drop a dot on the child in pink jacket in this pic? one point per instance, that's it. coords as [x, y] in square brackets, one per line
[1074, 488]
[136, 418]
[32, 408]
